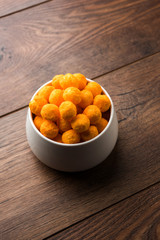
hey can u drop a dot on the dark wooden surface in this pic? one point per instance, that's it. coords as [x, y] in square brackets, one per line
[8, 7]
[49, 201]
[137, 217]
[117, 43]
[91, 37]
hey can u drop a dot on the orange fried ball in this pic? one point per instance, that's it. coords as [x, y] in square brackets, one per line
[45, 92]
[89, 134]
[80, 123]
[72, 94]
[36, 105]
[38, 121]
[67, 110]
[70, 137]
[49, 84]
[101, 125]
[63, 125]
[58, 138]
[56, 97]
[86, 98]
[102, 102]
[93, 113]
[69, 81]
[81, 80]
[94, 87]
[49, 129]
[50, 112]
[56, 81]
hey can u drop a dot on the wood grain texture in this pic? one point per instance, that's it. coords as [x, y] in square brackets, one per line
[9, 6]
[91, 37]
[36, 201]
[135, 218]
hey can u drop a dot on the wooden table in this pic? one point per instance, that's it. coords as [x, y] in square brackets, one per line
[116, 43]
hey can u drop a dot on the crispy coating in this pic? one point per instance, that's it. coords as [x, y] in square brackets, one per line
[93, 113]
[36, 105]
[89, 134]
[69, 81]
[63, 125]
[80, 123]
[101, 125]
[102, 102]
[49, 129]
[72, 94]
[94, 87]
[56, 81]
[70, 137]
[45, 92]
[86, 98]
[56, 97]
[38, 121]
[67, 110]
[50, 112]
[81, 80]
[58, 138]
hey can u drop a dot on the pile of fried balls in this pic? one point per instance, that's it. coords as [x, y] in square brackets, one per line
[70, 109]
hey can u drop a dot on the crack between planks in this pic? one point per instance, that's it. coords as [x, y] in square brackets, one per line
[102, 210]
[101, 75]
[23, 9]
[16, 110]
[126, 65]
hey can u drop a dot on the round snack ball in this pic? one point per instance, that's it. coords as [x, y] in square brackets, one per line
[80, 123]
[93, 113]
[70, 137]
[94, 87]
[49, 129]
[45, 92]
[56, 81]
[67, 110]
[36, 105]
[49, 84]
[89, 134]
[63, 125]
[38, 121]
[56, 97]
[102, 102]
[86, 98]
[72, 94]
[69, 81]
[81, 80]
[58, 138]
[50, 112]
[101, 125]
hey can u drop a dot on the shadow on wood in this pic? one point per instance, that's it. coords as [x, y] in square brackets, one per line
[99, 176]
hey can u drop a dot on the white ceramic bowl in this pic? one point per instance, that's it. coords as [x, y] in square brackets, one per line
[73, 157]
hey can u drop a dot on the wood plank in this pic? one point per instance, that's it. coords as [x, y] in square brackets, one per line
[91, 37]
[135, 218]
[8, 6]
[36, 201]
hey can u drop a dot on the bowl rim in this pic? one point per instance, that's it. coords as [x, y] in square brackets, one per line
[73, 144]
